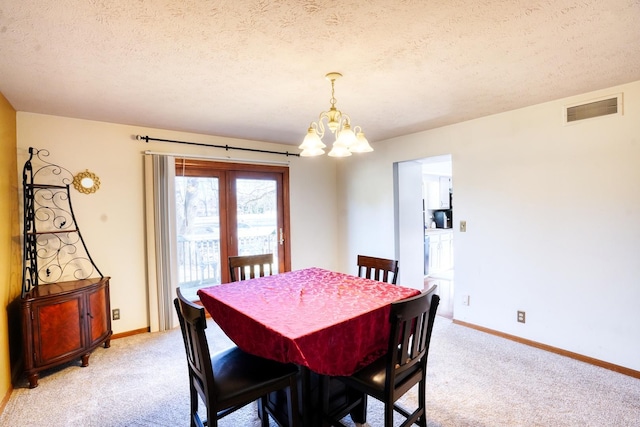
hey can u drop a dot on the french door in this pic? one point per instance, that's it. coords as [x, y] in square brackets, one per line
[226, 209]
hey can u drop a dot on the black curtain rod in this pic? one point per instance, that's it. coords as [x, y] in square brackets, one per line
[147, 138]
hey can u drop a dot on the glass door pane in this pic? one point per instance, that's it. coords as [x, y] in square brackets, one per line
[257, 217]
[198, 230]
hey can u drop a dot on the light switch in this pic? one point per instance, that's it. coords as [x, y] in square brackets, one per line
[463, 226]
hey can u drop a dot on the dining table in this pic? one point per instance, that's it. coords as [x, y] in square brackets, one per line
[328, 323]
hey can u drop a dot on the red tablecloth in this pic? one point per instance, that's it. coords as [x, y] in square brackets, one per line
[330, 322]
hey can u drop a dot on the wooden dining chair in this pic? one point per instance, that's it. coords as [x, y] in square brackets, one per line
[404, 365]
[230, 379]
[250, 266]
[381, 269]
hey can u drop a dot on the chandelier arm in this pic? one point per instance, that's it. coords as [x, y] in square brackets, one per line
[323, 115]
[318, 127]
[332, 117]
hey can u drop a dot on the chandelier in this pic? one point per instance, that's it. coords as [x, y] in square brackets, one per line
[347, 141]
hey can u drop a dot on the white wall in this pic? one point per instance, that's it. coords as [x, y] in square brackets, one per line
[553, 221]
[365, 207]
[112, 219]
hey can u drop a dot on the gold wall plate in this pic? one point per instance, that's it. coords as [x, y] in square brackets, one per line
[86, 182]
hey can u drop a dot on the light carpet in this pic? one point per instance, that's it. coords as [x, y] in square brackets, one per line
[474, 379]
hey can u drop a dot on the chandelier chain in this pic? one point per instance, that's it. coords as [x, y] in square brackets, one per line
[333, 99]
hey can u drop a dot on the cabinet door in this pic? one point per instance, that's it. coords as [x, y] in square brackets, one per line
[446, 251]
[445, 185]
[58, 329]
[434, 253]
[433, 195]
[97, 314]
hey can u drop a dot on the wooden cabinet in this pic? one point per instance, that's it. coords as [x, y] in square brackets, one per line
[440, 250]
[434, 253]
[441, 269]
[64, 321]
[444, 187]
[446, 250]
[444, 288]
[437, 193]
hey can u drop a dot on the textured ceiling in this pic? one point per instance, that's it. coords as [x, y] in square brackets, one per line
[255, 69]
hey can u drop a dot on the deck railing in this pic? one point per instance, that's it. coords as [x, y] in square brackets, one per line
[199, 259]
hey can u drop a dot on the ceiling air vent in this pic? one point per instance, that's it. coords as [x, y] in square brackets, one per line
[598, 108]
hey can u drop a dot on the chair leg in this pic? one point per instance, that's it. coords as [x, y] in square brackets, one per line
[193, 395]
[359, 412]
[260, 406]
[422, 403]
[212, 418]
[388, 414]
[262, 413]
[292, 401]
[325, 387]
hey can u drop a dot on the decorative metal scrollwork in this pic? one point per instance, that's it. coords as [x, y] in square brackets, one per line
[48, 172]
[54, 249]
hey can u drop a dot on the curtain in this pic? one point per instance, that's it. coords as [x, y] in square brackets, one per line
[161, 241]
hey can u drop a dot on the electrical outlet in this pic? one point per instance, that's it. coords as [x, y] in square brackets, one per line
[465, 299]
[463, 226]
[115, 314]
[521, 316]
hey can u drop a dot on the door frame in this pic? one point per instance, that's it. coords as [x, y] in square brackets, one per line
[228, 170]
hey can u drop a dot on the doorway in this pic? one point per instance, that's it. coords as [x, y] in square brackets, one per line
[437, 179]
[424, 219]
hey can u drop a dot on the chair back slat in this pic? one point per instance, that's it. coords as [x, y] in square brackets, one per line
[250, 266]
[380, 269]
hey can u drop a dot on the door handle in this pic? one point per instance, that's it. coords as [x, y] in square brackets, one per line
[281, 237]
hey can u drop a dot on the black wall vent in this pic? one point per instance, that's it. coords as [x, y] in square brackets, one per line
[590, 110]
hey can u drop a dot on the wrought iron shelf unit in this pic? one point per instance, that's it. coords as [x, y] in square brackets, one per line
[65, 304]
[54, 249]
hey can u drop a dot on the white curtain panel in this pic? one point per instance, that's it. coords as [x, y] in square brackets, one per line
[161, 240]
